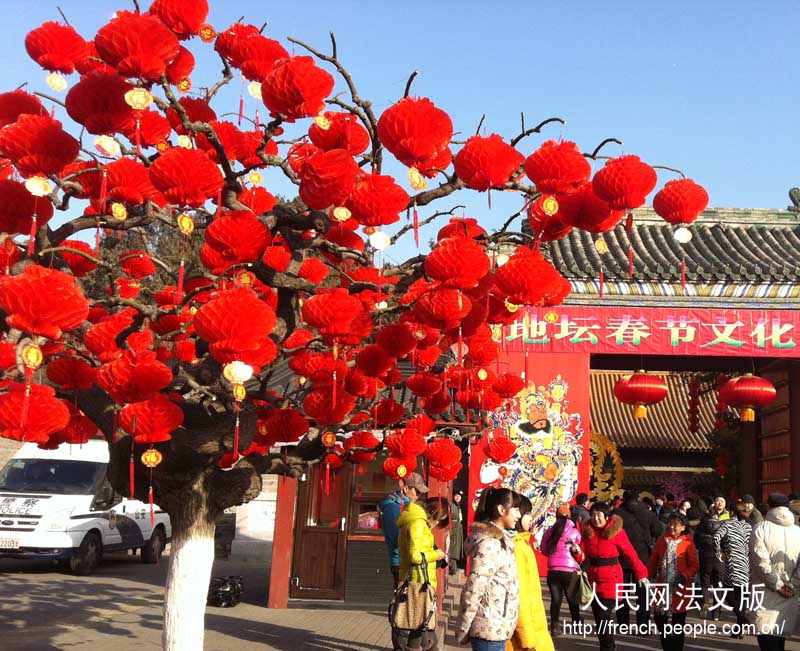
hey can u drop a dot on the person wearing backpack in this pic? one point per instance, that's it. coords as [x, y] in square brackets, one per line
[643, 529]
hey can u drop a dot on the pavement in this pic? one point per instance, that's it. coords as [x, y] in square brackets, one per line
[119, 608]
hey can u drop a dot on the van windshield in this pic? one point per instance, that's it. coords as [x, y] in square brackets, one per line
[60, 476]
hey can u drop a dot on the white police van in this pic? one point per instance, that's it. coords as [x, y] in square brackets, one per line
[58, 505]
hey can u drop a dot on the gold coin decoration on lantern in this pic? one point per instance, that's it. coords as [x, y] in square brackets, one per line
[329, 439]
[185, 142]
[402, 471]
[482, 374]
[119, 211]
[254, 88]
[57, 82]
[152, 457]
[185, 85]
[245, 278]
[549, 206]
[322, 122]
[207, 33]
[416, 179]
[239, 392]
[32, 356]
[361, 470]
[600, 246]
[255, 178]
[107, 146]
[511, 307]
[138, 98]
[341, 214]
[185, 223]
[38, 186]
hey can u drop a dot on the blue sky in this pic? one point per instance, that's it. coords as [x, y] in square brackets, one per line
[711, 88]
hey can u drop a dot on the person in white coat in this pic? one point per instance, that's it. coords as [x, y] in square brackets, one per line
[774, 552]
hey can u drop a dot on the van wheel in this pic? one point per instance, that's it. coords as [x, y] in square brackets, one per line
[88, 556]
[151, 552]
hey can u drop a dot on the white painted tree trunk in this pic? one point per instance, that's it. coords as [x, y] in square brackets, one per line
[190, 560]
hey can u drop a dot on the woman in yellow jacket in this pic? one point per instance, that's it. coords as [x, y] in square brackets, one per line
[415, 540]
[531, 633]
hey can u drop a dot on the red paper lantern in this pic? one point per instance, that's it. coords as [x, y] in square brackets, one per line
[424, 384]
[331, 311]
[387, 412]
[309, 365]
[500, 448]
[544, 223]
[436, 404]
[228, 135]
[92, 62]
[18, 206]
[258, 200]
[137, 45]
[443, 308]
[151, 421]
[640, 390]
[748, 393]
[43, 301]
[397, 339]
[179, 70]
[461, 227]
[376, 200]
[16, 103]
[97, 102]
[186, 176]
[228, 43]
[137, 264]
[299, 154]
[528, 279]
[79, 430]
[71, 373]
[37, 145]
[583, 209]
[399, 467]
[256, 55]
[100, 339]
[416, 132]
[236, 315]
[282, 425]
[680, 201]
[313, 270]
[339, 131]
[486, 162]
[296, 88]
[44, 414]
[457, 262]
[184, 17]
[129, 182]
[56, 47]
[558, 167]
[374, 361]
[327, 179]
[405, 443]
[136, 376]
[361, 439]
[238, 237]
[625, 182]
[320, 406]
[508, 385]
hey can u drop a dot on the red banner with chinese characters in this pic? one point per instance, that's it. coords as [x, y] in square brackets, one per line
[549, 423]
[655, 331]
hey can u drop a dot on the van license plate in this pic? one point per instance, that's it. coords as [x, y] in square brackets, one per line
[9, 543]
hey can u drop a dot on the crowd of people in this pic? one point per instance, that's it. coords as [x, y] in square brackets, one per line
[662, 558]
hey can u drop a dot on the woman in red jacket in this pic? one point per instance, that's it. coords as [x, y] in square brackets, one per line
[603, 543]
[674, 563]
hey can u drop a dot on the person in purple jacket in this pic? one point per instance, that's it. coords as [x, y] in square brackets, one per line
[561, 544]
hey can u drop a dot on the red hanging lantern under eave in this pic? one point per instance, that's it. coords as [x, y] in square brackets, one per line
[748, 393]
[640, 390]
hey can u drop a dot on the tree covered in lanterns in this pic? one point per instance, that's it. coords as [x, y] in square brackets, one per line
[173, 348]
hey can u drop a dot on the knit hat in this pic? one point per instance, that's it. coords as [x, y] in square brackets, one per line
[777, 499]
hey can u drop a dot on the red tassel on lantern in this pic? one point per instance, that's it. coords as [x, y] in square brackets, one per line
[34, 228]
[416, 225]
[138, 137]
[131, 471]
[150, 500]
[683, 274]
[327, 478]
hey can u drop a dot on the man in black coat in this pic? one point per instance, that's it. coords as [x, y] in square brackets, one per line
[712, 569]
[643, 529]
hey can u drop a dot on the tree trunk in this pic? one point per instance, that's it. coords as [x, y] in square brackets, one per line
[190, 561]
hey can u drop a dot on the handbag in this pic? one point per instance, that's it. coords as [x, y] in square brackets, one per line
[580, 588]
[413, 605]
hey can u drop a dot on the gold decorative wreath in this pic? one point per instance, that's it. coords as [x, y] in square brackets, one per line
[605, 484]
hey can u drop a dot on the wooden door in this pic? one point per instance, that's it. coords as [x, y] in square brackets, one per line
[318, 563]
